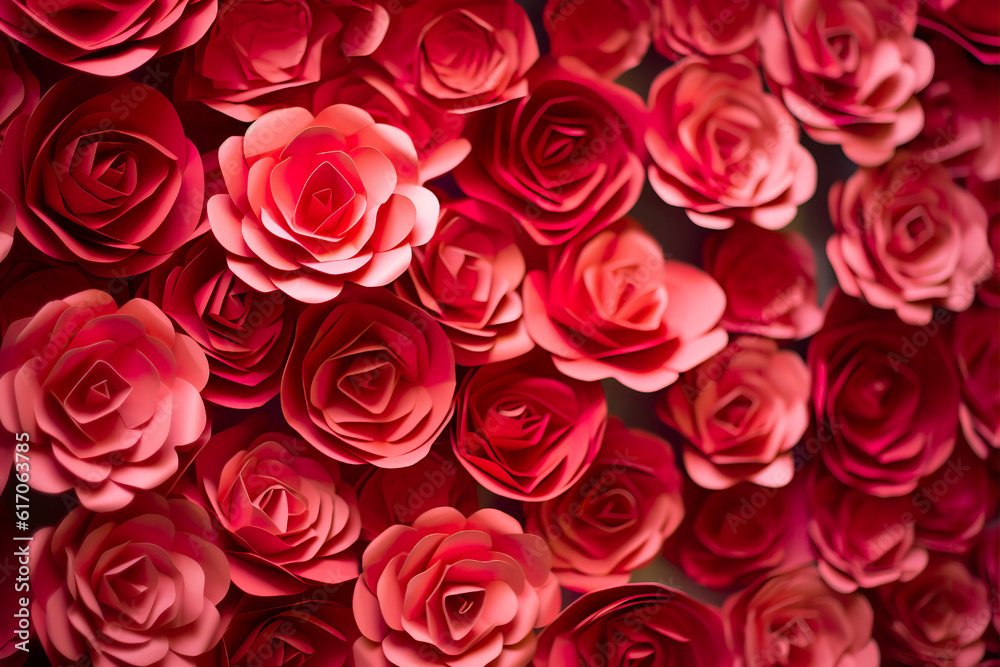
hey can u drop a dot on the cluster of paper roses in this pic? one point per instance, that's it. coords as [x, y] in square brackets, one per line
[309, 308]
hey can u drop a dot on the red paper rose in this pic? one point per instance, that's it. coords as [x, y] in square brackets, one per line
[136, 586]
[612, 307]
[973, 25]
[741, 412]
[562, 160]
[103, 175]
[795, 619]
[988, 559]
[8, 222]
[607, 37]
[468, 277]
[314, 202]
[526, 431]
[628, 624]
[976, 351]
[889, 394]
[20, 87]
[708, 27]
[108, 39]
[370, 379]
[827, 60]
[952, 505]
[613, 520]
[108, 395]
[722, 148]
[780, 302]
[451, 590]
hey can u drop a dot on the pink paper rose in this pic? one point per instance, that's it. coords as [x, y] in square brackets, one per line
[607, 37]
[613, 307]
[707, 27]
[20, 87]
[314, 202]
[722, 148]
[108, 395]
[451, 590]
[976, 351]
[973, 25]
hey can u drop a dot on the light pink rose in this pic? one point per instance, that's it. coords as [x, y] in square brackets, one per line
[908, 238]
[20, 87]
[707, 27]
[722, 148]
[607, 37]
[314, 202]
[613, 307]
[741, 413]
[108, 395]
[849, 70]
[977, 354]
[451, 590]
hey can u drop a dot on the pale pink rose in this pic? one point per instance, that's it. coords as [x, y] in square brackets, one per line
[141, 585]
[977, 355]
[607, 37]
[849, 69]
[722, 148]
[908, 238]
[20, 87]
[468, 277]
[707, 27]
[109, 396]
[451, 590]
[741, 413]
[613, 307]
[314, 202]
[973, 25]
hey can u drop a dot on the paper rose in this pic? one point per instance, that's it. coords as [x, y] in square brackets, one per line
[102, 175]
[314, 202]
[952, 505]
[526, 431]
[708, 27]
[8, 221]
[613, 520]
[976, 351]
[974, 26]
[613, 307]
[20, 85]
[608, 37]
[370, 379]
[451, 590]
[722, 148]
[108, 395]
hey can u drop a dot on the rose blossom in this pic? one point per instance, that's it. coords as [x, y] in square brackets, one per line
[908, 238]
[8, 221]
[634, 623]
[108, 39]
[988, 194]
[741, 412]
[708, 27]
[988, 560]
[314, 202]
[103, 175]
[614, 519]
[780, 302]
[973, 25]
[722, 148]
[370, 379]
[827, 60]
[608, 37]
[108, 395]
[565, 160]
[290, 520]
[888, 393]
[461, 56]
[794, 618]
[451, 590]
[976, 351]
[613, 307]
[952, 505]
[138, 585]
[468, 277]
[526, 431]
[20, 87]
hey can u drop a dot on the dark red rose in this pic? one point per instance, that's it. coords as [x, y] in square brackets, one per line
[608, 37]
[973, 25]
[976, 351]
[953, 504]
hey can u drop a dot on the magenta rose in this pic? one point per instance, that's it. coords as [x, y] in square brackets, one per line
[632, 624]
[108, 395]
[953, 504]
[451, 590]
[707, 27]
[780, 302]
[826, 60]
[468, 277]
[973, 25]
[794, 618]
[722, 148]
[908, 238]
[261, 54]
[245, 334]
[108, 39]
[526, 431]
[20, 87]
[370, 379]
[140, 585]
[565, 160]
[741, 413]
[888, 394]
[988, 559]
[460, 56]
[314, 202]
[103, 175]
[290, 521]
[613, 307]
[607, 37]
[614, 520]
[976, 351]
